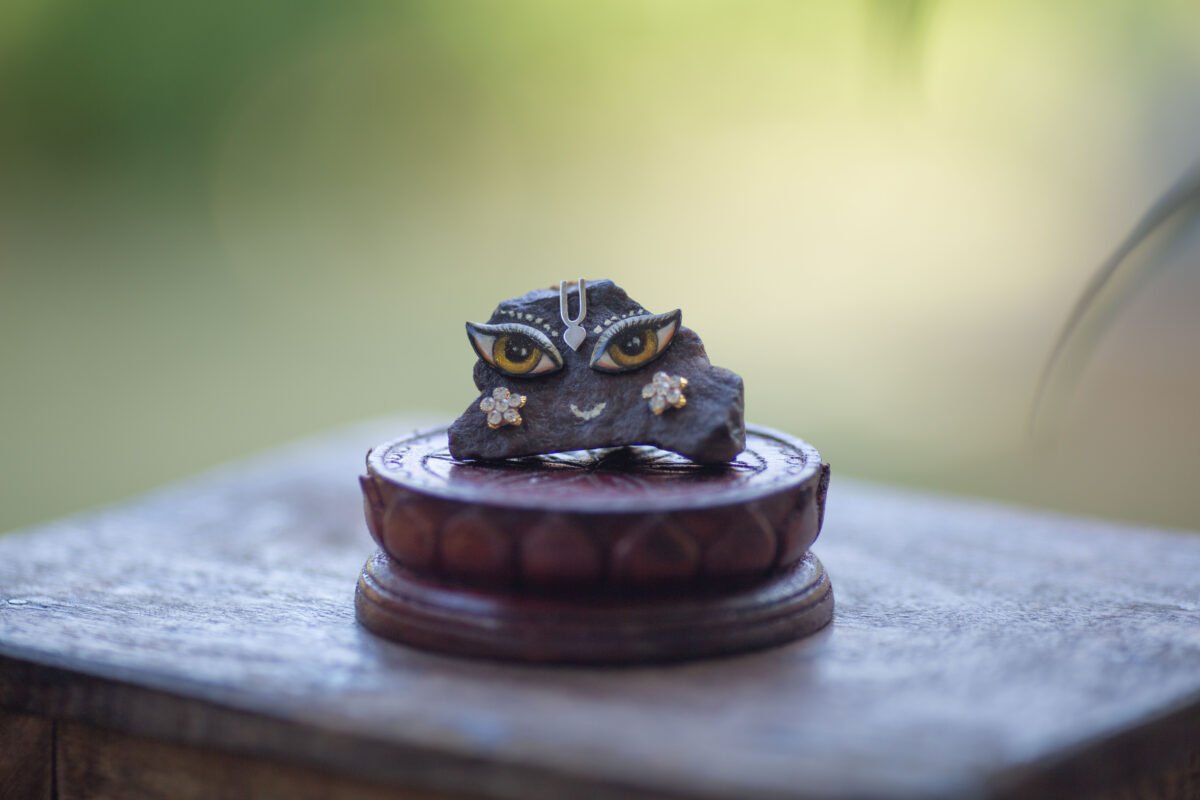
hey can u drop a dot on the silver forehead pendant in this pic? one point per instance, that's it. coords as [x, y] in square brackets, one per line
[574, 334]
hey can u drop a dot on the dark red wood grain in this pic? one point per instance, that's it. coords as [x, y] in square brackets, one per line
[604, 556]
[626, 519]
[610, 629]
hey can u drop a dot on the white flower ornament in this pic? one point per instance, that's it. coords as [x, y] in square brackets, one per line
[501, 408]
[665, 391]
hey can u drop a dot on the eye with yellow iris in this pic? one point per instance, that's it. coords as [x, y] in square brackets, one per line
[519, 351]
[634, 342]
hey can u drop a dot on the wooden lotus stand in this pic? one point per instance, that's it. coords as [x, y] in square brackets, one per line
[615, 556]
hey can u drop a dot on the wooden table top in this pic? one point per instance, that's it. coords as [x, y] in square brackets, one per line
[975, 650]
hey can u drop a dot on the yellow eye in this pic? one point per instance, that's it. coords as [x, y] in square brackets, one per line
[634, 342]
[633, 347]
[516, 353]
[515, 350]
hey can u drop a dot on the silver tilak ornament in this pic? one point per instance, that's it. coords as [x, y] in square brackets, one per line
[574, 334]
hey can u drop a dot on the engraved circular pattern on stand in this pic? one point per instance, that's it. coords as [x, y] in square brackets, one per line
[625, 479]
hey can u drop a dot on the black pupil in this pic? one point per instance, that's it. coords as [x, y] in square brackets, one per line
[632, 343]
[518, 347]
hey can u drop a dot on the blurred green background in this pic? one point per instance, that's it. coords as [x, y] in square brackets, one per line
[225, 225]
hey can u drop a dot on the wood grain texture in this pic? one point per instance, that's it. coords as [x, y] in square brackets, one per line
[976, 651]
[623, 519]
[26, 757]
[95, 764]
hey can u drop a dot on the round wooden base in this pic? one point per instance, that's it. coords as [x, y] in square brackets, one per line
[471, 621]
[619, 555]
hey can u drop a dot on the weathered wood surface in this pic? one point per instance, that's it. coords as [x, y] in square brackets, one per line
[975, 650]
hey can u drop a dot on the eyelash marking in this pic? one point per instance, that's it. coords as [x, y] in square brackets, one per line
[612, 354]
[514, 349]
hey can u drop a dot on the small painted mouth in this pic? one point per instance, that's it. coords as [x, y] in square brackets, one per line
[591, 413]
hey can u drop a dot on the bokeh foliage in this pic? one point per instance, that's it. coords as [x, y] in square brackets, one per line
[225, 225]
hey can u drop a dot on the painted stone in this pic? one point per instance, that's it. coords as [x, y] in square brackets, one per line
[636, 378]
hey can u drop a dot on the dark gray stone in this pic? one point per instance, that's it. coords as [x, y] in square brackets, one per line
[709, 429]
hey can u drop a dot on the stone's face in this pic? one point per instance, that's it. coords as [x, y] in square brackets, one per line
[598, 399]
